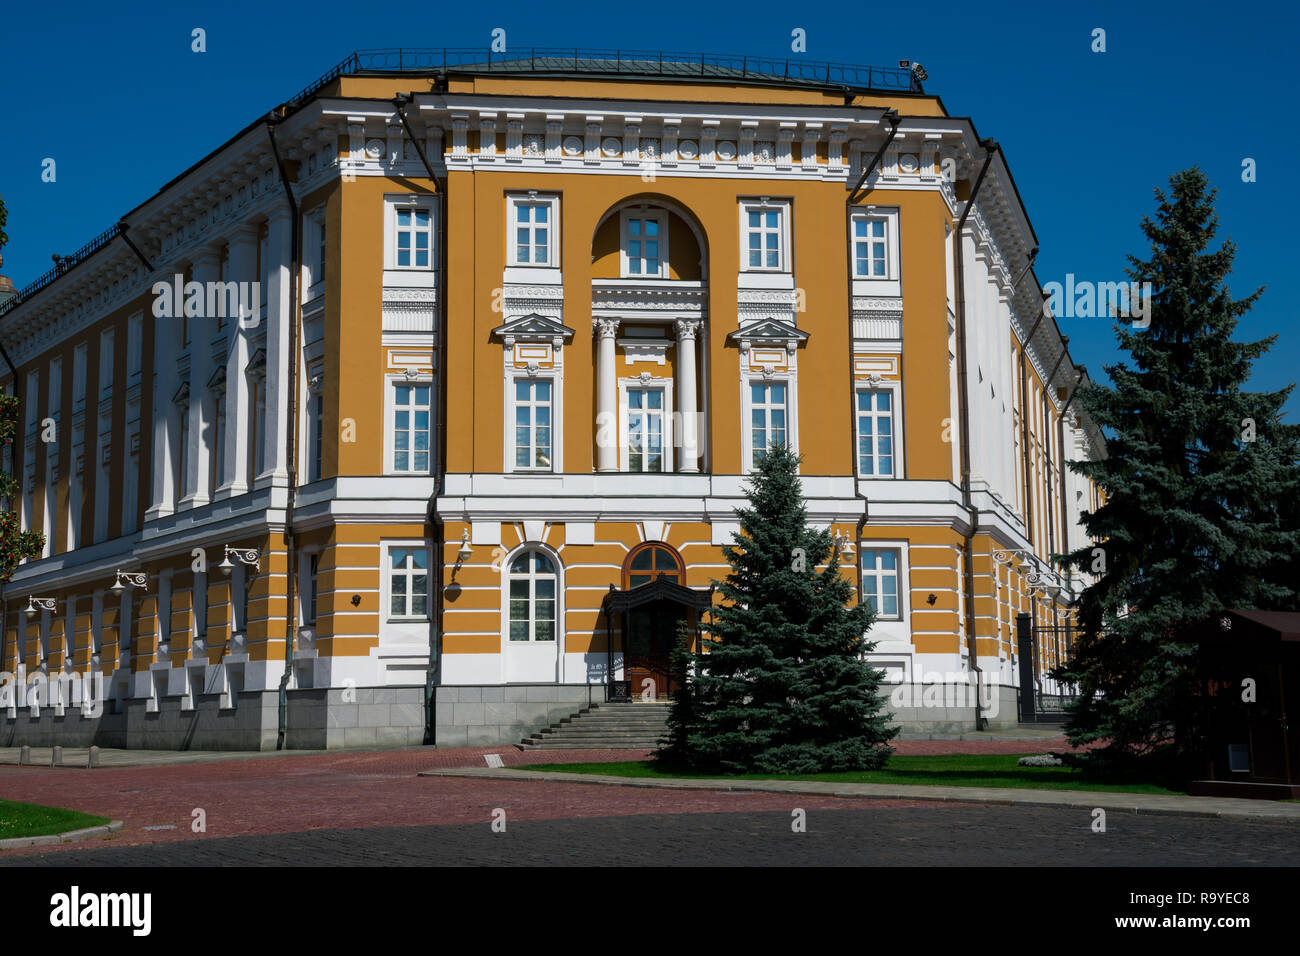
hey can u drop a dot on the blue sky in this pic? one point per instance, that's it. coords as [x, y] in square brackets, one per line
[114, 94]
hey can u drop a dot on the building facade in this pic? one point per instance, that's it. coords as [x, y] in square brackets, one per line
[367, 428]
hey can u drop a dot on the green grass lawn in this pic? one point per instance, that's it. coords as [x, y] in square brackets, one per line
[957, 770]
[30, 819]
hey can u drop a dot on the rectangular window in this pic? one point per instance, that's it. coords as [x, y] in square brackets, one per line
[408, 583]
[767, 417]
[764, 231]
[880, 582]
[218, 443]
[533, 425]
[411, 414]
[183, 453]
[313, 564]
[317, 412]
[875, 433]
[532, 233]
[414, 239]
[645, 429]
[870, 248]
[643, 245]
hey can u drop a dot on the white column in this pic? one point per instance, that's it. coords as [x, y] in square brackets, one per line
[275, 469]
[166, 420]
[241, 266]
[607, 437]
[689, 460]
[202, 410]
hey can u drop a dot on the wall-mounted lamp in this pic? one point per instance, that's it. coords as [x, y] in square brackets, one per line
[842, 543]
[37, 604]
[124, 579]
[248, 556]
[465, 550]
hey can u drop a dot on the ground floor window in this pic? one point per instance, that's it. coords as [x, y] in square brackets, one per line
[532, 597]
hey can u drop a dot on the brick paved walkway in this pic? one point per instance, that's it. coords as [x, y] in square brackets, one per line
[344, 790]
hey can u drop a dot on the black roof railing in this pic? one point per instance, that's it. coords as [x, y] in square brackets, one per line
[576, 60]
[561, 61]
[61, 265]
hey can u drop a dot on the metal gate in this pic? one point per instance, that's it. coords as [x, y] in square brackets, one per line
[1031, 640]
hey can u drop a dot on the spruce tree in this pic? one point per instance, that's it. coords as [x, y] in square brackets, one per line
[1199, 486]
[781, 685]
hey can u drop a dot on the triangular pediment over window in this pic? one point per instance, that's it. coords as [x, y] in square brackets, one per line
[533, 328]
[768, 332]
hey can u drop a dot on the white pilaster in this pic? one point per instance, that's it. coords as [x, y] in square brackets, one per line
[202, 409]
[166, 416]
[689, 458]
[606, 396]
[275, 470]
[241, 266]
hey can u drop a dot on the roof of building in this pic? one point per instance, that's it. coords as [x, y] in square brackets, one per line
[551, 62]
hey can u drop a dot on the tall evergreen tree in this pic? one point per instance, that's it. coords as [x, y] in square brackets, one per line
[782, 685]
[1199, 487]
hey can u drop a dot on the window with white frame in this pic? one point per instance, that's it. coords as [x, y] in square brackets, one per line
[645, 243]
[408, 583]
[767, 412]
[874, 243]
[645, 429]
[875, 417]
[532, 424]
[412, 237]
[313, 566]
[315, 437]
[765, 232]
[412, 410]
[880, 581]
[532, 597]
[532, 234]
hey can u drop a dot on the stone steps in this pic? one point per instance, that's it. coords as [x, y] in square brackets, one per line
[621, 726]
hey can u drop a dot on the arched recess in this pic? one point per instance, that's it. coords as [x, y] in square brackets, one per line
[607, 238]
[650, 560]
[532, 597]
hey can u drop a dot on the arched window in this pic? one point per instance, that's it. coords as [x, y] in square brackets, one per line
[532, 597]
[646, 562]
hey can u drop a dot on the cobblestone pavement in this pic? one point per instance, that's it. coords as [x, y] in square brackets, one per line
[754, 835]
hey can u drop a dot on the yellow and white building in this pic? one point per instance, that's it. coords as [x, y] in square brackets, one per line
[519, 329]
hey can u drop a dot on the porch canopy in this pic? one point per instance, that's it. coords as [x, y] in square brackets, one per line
[623, 601]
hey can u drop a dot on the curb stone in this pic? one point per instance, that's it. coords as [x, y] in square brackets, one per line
[71, 836]
[1151, 804]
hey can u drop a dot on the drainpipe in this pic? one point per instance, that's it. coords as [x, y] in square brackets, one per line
[893, 119]
[291, 433]
[963, 408]
[431, 676]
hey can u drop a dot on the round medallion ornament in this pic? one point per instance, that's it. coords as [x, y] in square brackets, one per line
[726, 150]
[909, 163]
[573, 146]
[374, 148]
[610, 146]
[688, 149]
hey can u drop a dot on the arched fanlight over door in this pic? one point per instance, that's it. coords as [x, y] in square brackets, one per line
[651, 560]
